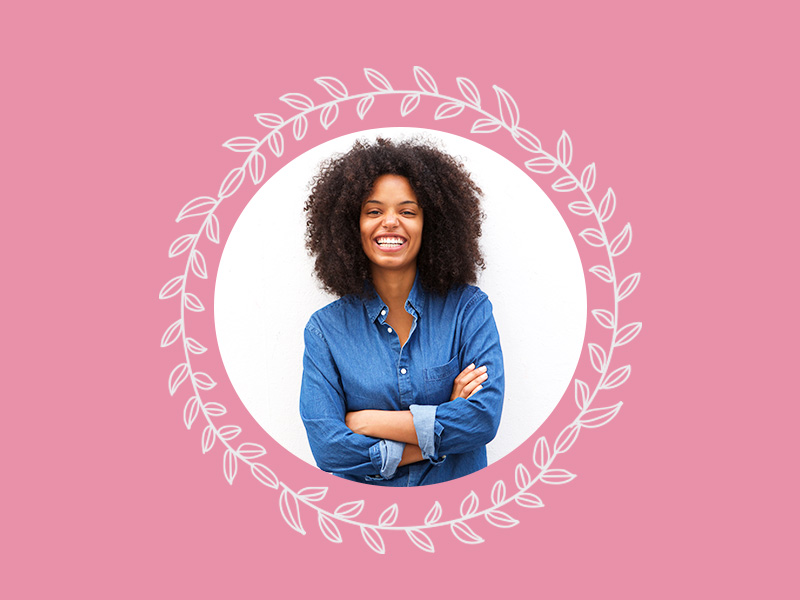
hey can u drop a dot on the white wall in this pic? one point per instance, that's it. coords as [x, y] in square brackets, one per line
[265, 292]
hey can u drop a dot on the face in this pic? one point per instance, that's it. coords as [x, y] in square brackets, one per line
[391, 224]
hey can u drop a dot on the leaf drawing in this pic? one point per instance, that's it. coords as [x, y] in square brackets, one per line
[364, 105]
[212, 228]
[604, 317]
[564, 149]
[349, 510]
[389, 516]
[257, 167]
[421, 539]
[231, 183]
[333, 86]
[190, 411]
[241, 144]
[264, 475]
[485, 126]
[617, 377]
[373, 539]
[581, 394]
[181, 245]
[541, 453]
[298, 101]
[447, 110]
[229, 465]
[602, 272]
[464, 533]
[425, 81]
[469, 506]
[526, 139]
[588, 177]
[177, 377]
[627, 286]
[541, 164]
[329, 528]
[498, 492]
[290, 510]
[597, 417]
[509, 113]
[434, 514]
[607, 205]
[171, 288]
[522, 477]
[196, 207]
[567, 183]
[270, 120]
[300, 127]
[620, 243]
[408, 104]
[556, 476]
[172, 333]
[498, 518]
[378, 81]
[567, 437]
[598, 357]
[469, 91]
[627, 333]
[328, 115]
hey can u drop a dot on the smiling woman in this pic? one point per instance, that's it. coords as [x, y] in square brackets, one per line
[403, 377]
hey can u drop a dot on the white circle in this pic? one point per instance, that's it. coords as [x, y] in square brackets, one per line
[403, 371]
[265, 292]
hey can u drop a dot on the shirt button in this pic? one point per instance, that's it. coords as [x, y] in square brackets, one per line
[403, 371]
[389, 330]
[383, 313]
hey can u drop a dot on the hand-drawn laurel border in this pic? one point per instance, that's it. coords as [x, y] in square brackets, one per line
[542, 163]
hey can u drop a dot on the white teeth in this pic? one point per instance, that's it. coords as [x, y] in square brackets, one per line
[387, 241]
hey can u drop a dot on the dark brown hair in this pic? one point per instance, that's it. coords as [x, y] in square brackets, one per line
[450, 202]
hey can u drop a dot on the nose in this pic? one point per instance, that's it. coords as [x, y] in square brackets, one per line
[390, 220]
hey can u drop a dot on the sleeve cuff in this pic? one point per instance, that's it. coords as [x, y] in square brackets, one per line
[385, 456]
[429, 431]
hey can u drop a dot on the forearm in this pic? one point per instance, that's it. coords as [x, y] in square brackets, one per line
[411, 454]
[397, 425]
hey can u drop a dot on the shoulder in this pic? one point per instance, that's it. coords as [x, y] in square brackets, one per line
[466, 297]
[460, 302]
[335, 315]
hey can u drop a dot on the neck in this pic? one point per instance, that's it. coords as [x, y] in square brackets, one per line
[394, 286]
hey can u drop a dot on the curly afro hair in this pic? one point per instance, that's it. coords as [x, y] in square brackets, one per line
[450, 201]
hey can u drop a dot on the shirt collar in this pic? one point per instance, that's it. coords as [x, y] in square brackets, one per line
[374, 304]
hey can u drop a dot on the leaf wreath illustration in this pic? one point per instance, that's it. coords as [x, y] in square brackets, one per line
[202, 210]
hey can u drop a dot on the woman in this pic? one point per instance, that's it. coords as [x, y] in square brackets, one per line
[403, 375]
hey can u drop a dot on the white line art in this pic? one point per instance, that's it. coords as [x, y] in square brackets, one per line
[541, 162]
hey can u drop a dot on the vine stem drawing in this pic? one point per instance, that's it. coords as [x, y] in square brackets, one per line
[540, 163]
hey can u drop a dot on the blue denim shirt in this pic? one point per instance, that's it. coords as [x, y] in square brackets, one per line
[353, 361]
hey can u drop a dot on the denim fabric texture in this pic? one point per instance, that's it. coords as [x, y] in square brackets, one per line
[354, 361]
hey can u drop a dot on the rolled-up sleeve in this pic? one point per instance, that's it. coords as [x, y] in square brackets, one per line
[336, 448]
[462, 425]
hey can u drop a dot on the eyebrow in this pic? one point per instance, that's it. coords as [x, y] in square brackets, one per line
[403, 202]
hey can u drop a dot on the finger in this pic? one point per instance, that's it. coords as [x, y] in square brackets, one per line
[465, 373]
[470, 387]
[473, 375]
[480, 387]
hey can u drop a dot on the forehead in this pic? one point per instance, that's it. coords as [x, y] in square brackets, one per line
[392, 188]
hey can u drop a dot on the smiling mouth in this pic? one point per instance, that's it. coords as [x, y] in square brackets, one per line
[390, 242]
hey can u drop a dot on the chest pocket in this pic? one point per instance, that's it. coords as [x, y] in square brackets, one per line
[439, 382]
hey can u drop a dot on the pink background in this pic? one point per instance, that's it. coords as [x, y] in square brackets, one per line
[114, 118]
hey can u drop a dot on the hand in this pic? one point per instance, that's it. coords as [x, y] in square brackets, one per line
[468, 382]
